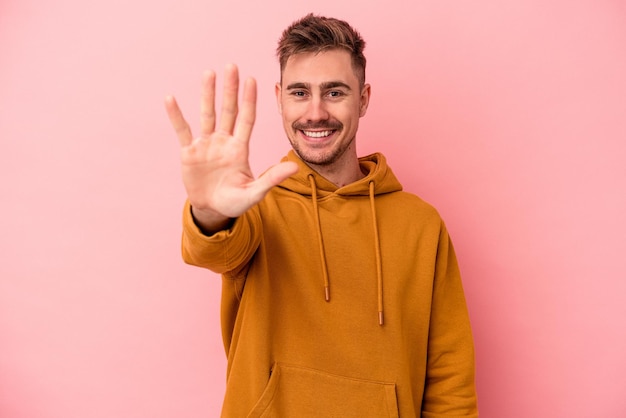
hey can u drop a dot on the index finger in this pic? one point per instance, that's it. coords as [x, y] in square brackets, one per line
[247, 116]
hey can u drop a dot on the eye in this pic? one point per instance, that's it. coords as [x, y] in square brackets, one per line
[298, 93]
[335, 93]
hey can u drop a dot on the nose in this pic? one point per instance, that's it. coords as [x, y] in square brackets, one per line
[316, 110]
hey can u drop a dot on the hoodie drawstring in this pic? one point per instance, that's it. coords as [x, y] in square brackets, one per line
[379, 267]
[319, 238]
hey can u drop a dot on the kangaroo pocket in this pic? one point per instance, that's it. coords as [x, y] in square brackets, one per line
[302, 393]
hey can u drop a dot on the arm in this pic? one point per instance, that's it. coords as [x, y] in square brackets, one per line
[450, 389]
[215, 168]
[224, 252]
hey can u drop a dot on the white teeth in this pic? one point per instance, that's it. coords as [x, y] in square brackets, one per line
[317, 134]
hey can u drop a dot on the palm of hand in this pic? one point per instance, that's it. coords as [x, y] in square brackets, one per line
[215, 168]
[217, 175]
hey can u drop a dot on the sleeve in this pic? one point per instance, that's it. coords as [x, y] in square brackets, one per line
[225, 251]
[450, 388]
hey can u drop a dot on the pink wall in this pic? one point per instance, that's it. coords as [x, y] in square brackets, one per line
[510, 117]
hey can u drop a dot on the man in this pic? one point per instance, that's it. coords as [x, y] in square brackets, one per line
[341, 293]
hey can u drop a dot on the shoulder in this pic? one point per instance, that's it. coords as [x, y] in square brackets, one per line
[409, 203]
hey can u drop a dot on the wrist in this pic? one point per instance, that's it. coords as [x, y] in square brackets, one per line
[209, 221]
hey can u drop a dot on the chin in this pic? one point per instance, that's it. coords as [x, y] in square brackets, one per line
[322, 156]
[317, 158]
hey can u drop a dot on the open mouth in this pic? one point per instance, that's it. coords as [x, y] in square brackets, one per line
[317, 134]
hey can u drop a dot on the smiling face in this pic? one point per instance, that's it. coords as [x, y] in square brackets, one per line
[321, 100]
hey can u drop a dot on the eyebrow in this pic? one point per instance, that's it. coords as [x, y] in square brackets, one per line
[324, 86]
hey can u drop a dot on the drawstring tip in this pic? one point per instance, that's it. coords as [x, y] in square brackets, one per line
[327, 293]
[380, 318]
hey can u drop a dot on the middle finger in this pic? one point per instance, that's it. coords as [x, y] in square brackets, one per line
[229, 101]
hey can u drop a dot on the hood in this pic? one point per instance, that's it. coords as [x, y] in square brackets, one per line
[374, 165]
[379, 179]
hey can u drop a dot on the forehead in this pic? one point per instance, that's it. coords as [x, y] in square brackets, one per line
[319, 67]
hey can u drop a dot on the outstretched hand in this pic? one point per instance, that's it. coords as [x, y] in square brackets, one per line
[215, 165]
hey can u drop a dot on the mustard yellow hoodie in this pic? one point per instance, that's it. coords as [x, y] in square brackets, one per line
[340, 302]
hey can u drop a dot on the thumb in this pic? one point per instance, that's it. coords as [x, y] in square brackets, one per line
[272, 177]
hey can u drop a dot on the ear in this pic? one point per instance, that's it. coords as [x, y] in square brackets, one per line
[366, 92]
[278, 90]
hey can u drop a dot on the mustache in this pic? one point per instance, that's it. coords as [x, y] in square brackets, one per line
[325, 125]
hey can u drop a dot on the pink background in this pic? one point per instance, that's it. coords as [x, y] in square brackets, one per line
[510, 117]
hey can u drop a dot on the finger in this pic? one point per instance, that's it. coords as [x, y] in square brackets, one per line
[207, 104]
[178, 122]
[247, 116]
[272, 177]
[229, 101]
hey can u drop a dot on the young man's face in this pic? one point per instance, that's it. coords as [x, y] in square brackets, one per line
[321, 101]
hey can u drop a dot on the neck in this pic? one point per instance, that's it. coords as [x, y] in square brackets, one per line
[340, 174]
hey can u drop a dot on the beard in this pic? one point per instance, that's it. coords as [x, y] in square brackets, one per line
[327, 125]
[320, 157]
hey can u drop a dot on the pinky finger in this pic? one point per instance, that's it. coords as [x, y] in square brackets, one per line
[178, 122]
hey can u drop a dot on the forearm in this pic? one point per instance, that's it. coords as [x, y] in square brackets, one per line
[210, 222]
[450, 381]
[225, 250]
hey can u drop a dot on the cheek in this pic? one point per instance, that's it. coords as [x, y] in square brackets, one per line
[286, 116]
[286, 108]
[290, 113]
[349, 116]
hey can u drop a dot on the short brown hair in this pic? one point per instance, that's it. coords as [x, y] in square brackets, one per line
[316, 34]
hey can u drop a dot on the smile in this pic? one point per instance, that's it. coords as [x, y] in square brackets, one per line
[317, 134]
